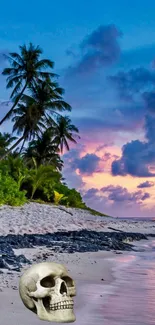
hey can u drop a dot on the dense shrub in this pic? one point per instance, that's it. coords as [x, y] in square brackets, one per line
[43, 182]
[9, 191]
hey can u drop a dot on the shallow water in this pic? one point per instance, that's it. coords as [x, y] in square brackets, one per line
[130, 300]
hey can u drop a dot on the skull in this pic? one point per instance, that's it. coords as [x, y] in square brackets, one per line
[47, 290]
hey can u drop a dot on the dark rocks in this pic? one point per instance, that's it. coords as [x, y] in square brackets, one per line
[68, 242]
[8, 259]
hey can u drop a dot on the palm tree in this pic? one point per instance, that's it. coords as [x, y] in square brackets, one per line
[28, 122]
[44, 150]
[35, 111]
[65, 131]
[26, 69]
[40, 175]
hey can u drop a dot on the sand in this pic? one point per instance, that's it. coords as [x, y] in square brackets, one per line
[43, 218]
[93, 276]
[94, 273]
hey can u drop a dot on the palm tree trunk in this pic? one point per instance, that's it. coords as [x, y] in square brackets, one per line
[22, 146]
[14, 145]
[33, 192]
[15, 103]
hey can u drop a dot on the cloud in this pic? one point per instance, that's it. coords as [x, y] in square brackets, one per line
[99, 49]
[88, 164]
[121, 194]
[131, 83]
[90, 194]
[145, 184]
[102, 146]
[122, 118]
[137, 156]
[108, 199]
[149, 99]
[71, 177]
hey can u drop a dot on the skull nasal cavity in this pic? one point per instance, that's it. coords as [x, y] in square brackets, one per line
[63, 288]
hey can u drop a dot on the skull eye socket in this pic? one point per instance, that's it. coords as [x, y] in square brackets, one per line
[47, 282]
[68, 281]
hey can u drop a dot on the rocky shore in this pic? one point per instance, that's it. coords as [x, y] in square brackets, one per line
[63, 242]
[73, 230]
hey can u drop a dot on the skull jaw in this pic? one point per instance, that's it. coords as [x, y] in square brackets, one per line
[58, 316]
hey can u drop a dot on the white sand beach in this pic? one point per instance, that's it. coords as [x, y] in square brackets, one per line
[43, 218]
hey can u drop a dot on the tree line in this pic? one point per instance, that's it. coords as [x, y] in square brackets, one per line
[30, 156]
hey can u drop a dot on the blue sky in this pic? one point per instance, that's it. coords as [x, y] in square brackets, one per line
[58, 25]
[91, 43]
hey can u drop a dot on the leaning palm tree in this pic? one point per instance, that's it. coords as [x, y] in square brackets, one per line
[26, 69]
[34, 112]
[65, 131]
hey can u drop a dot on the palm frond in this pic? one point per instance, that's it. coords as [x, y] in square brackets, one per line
[45, 63]
[16, 89]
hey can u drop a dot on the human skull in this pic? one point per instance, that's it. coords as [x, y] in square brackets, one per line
[47, 290]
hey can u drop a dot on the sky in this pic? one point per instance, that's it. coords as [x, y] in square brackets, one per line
[104, 53]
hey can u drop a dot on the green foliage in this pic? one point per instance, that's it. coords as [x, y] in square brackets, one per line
[15, 168]
[34, 172]
[39, 176]
[72, 197]
[43, 183]
[9, 191]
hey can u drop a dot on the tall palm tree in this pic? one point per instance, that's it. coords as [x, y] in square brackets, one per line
[26, 69]
[28, 122]
[44, 150]
[65, 131]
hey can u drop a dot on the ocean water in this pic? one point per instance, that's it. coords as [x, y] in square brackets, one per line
[130, 299]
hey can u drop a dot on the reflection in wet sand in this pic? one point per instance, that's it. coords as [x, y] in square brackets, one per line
[133, 302]
[129, 300]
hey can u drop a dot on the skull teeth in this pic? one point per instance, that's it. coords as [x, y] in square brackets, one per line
[62, 305]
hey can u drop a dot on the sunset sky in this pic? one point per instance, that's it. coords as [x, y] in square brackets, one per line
[104, 52]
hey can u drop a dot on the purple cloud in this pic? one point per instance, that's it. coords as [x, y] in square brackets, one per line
[137, 156]
[90, 194]
[121, 194]
[145, 184]
[72, 179]
[88, 164]
[99, 49]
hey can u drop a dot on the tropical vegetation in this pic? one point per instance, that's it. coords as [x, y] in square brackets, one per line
[31, 156]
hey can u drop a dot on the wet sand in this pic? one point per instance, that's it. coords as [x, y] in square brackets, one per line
[126, 296]
[133, 299]
[92, 273]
